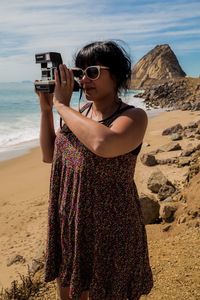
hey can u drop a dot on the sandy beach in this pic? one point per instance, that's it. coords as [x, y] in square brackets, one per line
[24, 201]
[23, 211]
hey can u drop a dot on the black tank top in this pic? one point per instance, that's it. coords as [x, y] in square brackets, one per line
[108, 121]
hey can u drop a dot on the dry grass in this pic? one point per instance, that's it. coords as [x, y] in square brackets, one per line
[23, 289]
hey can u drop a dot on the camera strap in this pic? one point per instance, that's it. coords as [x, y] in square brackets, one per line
[79, 101]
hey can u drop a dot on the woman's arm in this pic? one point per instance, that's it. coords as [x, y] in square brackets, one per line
[126, 133]
[47, 132]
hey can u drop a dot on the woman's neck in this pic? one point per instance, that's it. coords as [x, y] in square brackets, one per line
[102, 110]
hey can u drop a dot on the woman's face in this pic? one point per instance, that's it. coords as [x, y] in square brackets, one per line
[101, 88]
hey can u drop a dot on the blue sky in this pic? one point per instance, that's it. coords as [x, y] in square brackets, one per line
[33, 26]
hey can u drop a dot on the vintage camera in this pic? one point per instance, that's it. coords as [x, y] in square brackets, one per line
[49, 62]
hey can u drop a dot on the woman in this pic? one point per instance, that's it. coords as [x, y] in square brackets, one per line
[96, 239]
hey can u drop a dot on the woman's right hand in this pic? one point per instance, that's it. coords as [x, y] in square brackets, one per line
[46, 101]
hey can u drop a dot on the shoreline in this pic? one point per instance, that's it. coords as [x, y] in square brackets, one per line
[18, 150]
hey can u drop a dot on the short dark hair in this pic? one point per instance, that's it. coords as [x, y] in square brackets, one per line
[109, 54]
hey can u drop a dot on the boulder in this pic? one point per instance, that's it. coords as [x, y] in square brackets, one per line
[178, 128]
[156, 181]
[150, 209]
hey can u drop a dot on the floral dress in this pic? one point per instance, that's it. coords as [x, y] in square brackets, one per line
[96, 235]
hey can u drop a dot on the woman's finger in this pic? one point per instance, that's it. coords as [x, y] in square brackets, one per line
[57, 79]
[69, 76]
[63, 76]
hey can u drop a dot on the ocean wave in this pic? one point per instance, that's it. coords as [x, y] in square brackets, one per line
[20, 116]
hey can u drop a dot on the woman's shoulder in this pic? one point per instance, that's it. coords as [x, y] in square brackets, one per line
[129, 109]
[134, 115]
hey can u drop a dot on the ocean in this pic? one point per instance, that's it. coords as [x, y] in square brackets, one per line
[20, 117]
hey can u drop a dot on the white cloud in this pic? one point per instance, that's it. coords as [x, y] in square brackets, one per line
[27, 27]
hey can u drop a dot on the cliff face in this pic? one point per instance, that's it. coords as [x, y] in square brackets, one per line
[157, 65]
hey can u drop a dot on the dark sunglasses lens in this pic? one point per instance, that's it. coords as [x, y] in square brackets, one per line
[92, 72]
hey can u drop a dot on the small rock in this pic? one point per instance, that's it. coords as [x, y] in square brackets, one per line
[172, 146]
[36, 266]
[148, 159]
[181, 219]
[184, 161]
[167, 161]
[189, 134]
[186, 106]
[176, 137]
[168, 199]
[165, 191]
[146, 145]
[174, 129]
[192, 125]
[16, 259]
[166, 211]
[156, 180]
[166, 228]
[189, 150]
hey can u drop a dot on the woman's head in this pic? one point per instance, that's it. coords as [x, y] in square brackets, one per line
[108, 54]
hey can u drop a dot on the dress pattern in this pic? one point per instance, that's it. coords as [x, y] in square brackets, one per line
[96, 235]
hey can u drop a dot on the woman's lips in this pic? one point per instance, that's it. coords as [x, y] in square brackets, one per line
[88, 89]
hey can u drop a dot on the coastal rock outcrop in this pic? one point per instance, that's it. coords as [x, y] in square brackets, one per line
[164, 82]
[183, 94]
[158, 64]
[178, 201]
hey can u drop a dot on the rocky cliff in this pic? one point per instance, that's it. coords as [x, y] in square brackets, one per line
[179, 93]
[157, 65]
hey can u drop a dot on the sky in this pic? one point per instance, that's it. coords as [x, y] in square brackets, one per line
[28, 27]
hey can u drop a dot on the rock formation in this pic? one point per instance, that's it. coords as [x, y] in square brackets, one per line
[180, 93]
[158, 64]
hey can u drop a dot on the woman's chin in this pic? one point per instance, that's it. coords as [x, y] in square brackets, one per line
[88, 95]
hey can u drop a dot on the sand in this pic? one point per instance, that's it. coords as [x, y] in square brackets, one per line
[23, 211]
[24, 201]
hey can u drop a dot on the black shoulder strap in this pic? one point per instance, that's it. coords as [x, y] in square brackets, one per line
[84, 107]
[108, 121]
[123, 109]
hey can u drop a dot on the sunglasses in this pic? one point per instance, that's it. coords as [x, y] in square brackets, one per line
[92, 72]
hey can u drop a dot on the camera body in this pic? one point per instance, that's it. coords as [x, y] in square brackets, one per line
[49, 61]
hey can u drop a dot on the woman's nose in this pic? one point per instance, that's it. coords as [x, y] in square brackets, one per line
[85, 79]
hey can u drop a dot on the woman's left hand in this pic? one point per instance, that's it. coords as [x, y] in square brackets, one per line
[63, 86]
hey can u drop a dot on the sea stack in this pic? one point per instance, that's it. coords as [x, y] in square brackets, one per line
[157, 65]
